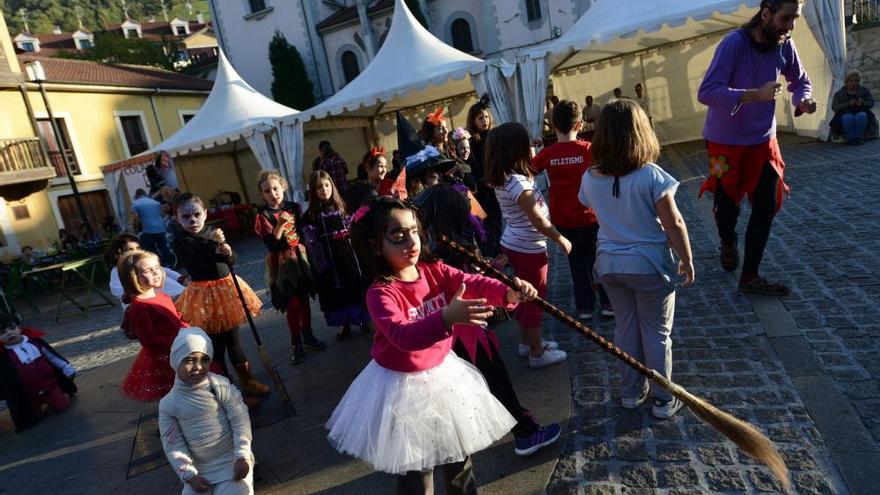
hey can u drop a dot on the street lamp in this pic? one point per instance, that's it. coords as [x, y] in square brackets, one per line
[37, 74]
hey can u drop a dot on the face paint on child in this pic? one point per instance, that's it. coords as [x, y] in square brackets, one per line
[401, 244]
[191, 217]
[463, 148]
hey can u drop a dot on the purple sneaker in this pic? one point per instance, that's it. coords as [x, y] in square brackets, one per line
[542, 437]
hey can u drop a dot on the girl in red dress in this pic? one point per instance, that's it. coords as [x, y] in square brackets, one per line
[151, 318]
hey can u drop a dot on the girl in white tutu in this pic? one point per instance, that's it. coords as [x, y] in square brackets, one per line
[416, 405]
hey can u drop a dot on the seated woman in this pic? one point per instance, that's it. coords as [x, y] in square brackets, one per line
[853, 118]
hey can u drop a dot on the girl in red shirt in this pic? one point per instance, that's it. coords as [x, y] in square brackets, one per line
[151, 318]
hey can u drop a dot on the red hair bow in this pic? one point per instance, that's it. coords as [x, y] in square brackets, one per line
[436, 117]
[374, 151]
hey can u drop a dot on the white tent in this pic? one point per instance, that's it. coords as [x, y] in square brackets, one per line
[232, 112]
[411, 69]
[667, 45]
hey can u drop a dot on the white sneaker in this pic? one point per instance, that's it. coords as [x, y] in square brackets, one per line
[546, 344]
[584, 315]
[550, 356]
[628, 403]
[665, 410]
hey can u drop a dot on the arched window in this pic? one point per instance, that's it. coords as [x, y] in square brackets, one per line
[533, 10]
[350, 66]
[461, 36]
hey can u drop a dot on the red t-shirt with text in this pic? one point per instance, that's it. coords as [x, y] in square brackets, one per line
[565, 164]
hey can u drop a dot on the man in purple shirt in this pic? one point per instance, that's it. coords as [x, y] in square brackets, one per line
[740, 89]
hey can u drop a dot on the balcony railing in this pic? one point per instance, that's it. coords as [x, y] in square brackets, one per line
[58, 162]
[17, 155]
[866, 13]
[22, 167]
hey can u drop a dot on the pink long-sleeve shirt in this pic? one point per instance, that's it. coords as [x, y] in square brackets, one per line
[410, 333]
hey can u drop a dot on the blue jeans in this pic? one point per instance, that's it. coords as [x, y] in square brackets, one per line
[854, 125]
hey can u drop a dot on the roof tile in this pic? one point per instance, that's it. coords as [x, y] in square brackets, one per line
[60, 70]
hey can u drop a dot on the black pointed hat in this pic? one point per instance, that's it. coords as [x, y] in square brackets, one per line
[408, 141]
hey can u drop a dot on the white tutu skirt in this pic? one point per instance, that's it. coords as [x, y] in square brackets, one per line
[399, 422]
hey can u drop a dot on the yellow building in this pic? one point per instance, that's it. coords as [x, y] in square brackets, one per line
[104, 113]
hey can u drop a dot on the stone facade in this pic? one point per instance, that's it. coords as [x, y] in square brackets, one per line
[863, 55]
[323, 34]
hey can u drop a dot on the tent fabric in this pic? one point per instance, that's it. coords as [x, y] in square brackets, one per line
[261, 147]
[533, 86]
[288, 144]
[825, 18]
[492, 82]
[125, 176]
[606, 29]
[412, 67]
[116, 192]
[232, 111]
[666, 45]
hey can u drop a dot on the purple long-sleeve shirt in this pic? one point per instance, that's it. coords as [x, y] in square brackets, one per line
[739, 66]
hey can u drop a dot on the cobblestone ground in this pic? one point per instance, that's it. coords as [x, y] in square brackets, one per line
[95, 339]
[824, 244]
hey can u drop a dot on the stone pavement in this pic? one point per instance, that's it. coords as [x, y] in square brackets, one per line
[107, 443]
[803, 368]
[730, 349]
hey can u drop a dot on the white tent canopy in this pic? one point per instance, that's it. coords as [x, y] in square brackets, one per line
[608, 28]
[412, 68]
[667, 45]
[233, 110]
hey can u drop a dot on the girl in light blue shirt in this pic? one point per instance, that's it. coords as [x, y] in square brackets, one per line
[639, 228]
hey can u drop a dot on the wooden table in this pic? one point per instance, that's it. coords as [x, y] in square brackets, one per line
[74, 269]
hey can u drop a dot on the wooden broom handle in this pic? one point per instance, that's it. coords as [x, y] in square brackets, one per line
[553, 310]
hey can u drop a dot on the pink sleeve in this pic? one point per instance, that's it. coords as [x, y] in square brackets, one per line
[478, 286]
[404, 334]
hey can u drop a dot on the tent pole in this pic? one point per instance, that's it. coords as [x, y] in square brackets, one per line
[244, 190]
[179, 167]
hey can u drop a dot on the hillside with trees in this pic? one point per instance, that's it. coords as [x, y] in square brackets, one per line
[42, 15]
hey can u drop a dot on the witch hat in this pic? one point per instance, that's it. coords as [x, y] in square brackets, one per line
[408, 141]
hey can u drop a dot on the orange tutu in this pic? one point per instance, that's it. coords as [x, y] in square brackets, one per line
[213, 305]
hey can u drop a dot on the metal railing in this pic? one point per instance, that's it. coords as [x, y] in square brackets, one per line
[58, 162]
[21, 154]
[866, 13]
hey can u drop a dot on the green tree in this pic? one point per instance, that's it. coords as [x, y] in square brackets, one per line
[116, 49]
[291, 85]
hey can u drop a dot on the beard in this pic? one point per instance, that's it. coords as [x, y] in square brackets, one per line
[772, 36]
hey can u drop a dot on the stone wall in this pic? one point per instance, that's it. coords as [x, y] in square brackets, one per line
[863, 55]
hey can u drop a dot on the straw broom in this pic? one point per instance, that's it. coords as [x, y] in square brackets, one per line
[746, 436]
[261, 349]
